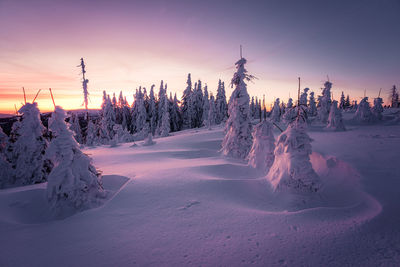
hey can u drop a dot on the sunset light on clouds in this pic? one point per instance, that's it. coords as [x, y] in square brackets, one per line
[127, 44]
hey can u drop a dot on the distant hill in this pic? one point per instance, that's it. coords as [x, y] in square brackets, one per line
[5, 115]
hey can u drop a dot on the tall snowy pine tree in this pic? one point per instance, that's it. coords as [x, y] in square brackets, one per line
[238, 140]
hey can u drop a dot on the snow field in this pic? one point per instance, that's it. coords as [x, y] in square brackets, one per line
[187, 205]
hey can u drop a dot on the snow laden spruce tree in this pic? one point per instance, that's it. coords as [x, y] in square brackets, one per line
[211, 113]
[6, 172]
[74, 183]
[335, 120]
[312, 106]
[76, 128]
[324, 102]
[290, 113]
[364, 113]
[206, 106]
[377, 109]
[152, 111]
[220, 104]
[107, 122]
[186, 105]
[164, 124]
[92, 137]
[175, 116]
[292, 170]
[276, 112]
[303, 97]
[141, 115]
[27, 151]
[237, 141]
[261, 154]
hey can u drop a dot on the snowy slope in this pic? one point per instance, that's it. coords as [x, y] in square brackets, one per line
[187, 205]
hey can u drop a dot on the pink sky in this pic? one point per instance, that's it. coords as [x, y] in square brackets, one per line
[130, 44]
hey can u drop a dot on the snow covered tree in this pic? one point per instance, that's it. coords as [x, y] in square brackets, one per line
[211, 113]
[347, 103]
[152, 111]
[261, 154]
[292, 170]
[290, 113]
[124, 136]
[103, 103]
[164, 126]
[252, 108]
[27, 151]
[304, 96]
[107, 122]
[282, 108]
[162, 93]
[257, 109]
[149, 140]
[264, 109]
[206, 106]
[141, 113]
[335, 120]
[74, 183]
[276, 111]
[175, 116]
[220, 103]
[6, 171]
[290, 103]
[394, 97]
[312, 106]
[324, 102]
[114, 101]
[197, 104]
[75, 127]
[363, 113]
[238, 140]
[355, 105]
[92, 134]
[186, 107]
[342, 104]
[3, 140]
[377, 110]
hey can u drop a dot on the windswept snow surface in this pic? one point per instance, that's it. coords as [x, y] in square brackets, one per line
[186, 205]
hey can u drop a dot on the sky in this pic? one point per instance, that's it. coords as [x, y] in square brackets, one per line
[127, 44]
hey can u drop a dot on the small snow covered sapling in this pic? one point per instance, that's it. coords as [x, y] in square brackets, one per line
[74, 182]
[149, 140]
[261, 154]
[292, 170]
[335, 120]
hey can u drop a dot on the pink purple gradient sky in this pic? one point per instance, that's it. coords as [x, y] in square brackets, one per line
[131, 43]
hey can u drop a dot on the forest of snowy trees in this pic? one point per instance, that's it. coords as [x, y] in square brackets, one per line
[32, 153]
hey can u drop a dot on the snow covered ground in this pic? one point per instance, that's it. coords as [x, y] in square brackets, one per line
[187, 205]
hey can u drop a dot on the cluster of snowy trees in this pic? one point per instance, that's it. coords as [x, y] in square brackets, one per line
[327, 111]
[27, 157]
[155, 114]
[285, 161]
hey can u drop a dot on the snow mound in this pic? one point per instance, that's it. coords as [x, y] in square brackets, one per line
[28, 204]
